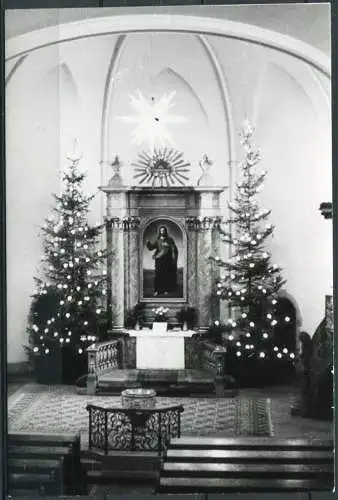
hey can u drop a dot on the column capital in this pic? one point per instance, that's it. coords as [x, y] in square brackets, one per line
[123, 223]
[203, 223]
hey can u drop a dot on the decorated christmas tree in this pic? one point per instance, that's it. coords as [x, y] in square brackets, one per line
[68, 311]
[250, 281]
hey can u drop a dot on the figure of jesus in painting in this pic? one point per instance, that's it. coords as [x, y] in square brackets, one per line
[165, 257]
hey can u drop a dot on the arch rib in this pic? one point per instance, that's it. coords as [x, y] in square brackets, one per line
[27, 42]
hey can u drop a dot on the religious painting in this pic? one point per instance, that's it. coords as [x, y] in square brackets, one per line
[163, 259]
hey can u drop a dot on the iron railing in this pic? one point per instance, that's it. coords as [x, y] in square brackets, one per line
[131, 429]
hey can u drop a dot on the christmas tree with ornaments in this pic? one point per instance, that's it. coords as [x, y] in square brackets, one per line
[69, 311]
[250, 282]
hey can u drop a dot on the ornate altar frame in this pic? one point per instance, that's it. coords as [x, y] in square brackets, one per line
[196, 211]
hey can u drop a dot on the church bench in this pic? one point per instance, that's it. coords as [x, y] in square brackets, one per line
[41, 476]
[23, 451]
[45, 484]
[34, 465]
[56, 447]
[29, 494]
[33, 456]
[220, 465]
[71, 440]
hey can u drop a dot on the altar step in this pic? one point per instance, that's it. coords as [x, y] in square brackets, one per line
[202, 465]
[162, 381]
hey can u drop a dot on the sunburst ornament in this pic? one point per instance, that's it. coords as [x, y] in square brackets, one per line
[162, 168]
[152, 120]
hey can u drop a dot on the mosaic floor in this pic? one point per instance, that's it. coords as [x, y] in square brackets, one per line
[60, 409]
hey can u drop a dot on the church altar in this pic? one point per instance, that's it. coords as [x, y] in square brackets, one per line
[160, 350]
[192, 216]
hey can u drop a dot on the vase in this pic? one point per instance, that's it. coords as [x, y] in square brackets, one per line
[185, 326]
[137, 325]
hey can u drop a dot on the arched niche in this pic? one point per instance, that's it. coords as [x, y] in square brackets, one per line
[69, 115]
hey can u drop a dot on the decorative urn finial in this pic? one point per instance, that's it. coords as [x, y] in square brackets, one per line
[205, 165]
[116, 179]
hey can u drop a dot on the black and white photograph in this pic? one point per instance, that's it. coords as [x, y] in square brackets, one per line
[169, 250]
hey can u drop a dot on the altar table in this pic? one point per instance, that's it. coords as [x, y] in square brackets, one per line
[160, 351]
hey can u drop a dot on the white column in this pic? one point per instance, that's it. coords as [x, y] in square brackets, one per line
[115, 219]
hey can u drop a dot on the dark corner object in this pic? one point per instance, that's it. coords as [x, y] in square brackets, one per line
[326, 209]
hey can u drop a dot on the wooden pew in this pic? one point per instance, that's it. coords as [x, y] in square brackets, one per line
[221, 465]
[71, 440]
[45, 477]
[33, 455]
[28, 450]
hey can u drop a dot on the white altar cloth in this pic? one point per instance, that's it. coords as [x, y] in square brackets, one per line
[160, 351]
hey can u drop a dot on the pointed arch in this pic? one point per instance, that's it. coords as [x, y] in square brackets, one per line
[306, 79]
[171, 72]
[15, 67]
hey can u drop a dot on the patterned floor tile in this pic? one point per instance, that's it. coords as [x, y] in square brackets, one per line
[60, 409]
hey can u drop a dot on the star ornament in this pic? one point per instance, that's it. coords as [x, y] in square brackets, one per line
[152, 120]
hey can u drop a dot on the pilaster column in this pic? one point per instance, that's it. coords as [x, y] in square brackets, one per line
[118, 271]
[132, 261]
[206, 238]
[192, 264]
[209, 246]
[110, 260]
[116, 246]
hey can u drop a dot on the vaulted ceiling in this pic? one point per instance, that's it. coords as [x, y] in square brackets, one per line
[306, 22]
